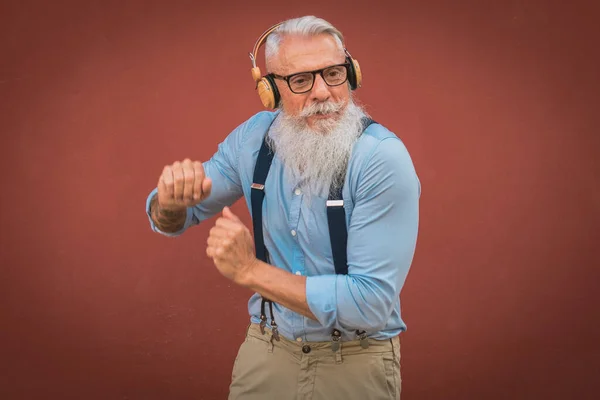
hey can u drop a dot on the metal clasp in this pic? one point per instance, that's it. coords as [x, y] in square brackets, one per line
[275, 332]
[335, 340]
[364, 340]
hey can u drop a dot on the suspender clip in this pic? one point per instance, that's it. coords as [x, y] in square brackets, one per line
[275, 331]
[263, 317]
[263, 323]
[335, 340]
[364, 340]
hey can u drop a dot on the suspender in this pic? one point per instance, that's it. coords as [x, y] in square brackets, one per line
[336, 218]
[261, 170]
[338, 235]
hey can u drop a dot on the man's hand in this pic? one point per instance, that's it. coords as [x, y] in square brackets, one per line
[182, 184]
[231, 247]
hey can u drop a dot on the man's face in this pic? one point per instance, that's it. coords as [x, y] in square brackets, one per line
[299, 54]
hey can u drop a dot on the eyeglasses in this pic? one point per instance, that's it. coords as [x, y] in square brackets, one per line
[302, 82]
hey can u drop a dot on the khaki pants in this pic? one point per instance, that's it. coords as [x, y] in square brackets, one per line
[282, 370]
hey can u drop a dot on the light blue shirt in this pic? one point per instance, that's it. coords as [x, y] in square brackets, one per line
[381, 199]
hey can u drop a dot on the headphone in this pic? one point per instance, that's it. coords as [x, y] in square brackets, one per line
[266, 87]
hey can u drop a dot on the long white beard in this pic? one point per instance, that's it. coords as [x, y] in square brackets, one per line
[316, 158]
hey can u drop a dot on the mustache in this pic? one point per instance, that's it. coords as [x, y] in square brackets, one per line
[326, 107]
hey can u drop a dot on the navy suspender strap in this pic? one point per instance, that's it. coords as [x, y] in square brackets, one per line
[261, 170]
[257, 195]
[338, 235]
[336, 218]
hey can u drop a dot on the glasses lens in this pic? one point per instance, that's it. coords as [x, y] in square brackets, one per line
[301, 82]
[335, 75]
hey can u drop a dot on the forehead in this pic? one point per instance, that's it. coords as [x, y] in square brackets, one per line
[301, 53]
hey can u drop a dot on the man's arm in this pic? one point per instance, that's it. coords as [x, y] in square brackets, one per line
[278, 285]
[231, 246]
[221, 169]
[382, 238]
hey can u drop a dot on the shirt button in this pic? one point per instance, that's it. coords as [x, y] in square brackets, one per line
[306, 349]
[293, 232]
[298, 273]
[298, 192]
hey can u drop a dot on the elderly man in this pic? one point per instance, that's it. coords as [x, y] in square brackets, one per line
[334, 200]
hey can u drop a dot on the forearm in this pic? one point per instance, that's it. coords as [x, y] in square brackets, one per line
[166, 220]
[279, 286]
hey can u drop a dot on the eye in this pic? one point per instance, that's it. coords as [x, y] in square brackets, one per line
[333, 73]
[301, 80]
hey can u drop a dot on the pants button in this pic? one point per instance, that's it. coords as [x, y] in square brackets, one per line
[306, 349]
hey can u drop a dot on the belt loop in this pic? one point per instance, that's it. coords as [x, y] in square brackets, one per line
[338, 354]
[336, 345]
[270, 346]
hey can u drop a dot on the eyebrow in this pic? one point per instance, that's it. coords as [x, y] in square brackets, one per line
[310, 71]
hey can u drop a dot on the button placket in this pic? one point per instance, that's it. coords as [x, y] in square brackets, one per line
[298, 258]
[294, 216]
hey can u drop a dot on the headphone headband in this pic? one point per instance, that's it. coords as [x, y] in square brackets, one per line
[260, 41]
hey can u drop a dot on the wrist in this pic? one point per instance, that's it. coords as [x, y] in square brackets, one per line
[247, 274]
[167, 220]
[170, 211]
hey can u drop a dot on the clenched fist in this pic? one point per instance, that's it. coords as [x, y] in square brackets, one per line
[231, 247]
[182, 184]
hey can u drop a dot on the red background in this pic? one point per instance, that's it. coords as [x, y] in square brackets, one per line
[496, 101]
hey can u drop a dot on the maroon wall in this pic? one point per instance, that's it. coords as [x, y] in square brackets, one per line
[497, 102]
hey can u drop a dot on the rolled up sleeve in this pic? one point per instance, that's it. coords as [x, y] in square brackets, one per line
[188, 218]
[382, 237]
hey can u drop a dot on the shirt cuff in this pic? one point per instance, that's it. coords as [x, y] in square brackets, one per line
[321, 295]
[188, 218]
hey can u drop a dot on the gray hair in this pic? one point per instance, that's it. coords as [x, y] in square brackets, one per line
[303, 26]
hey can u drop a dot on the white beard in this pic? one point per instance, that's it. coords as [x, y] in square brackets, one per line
[316, 158]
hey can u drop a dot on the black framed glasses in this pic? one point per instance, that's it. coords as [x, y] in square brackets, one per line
[302, 82]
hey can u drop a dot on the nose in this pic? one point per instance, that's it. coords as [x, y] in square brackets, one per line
[320, 90]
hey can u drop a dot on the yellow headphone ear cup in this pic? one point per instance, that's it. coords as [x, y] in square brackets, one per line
[266, 93]
[357, 73]
[265, 86]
